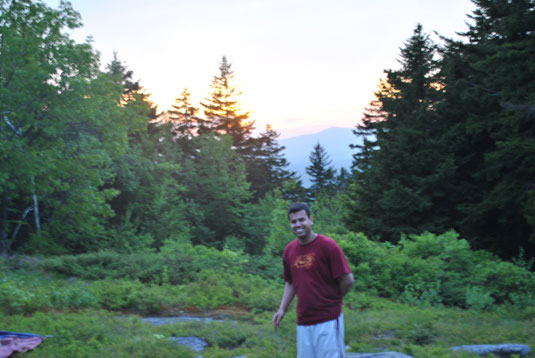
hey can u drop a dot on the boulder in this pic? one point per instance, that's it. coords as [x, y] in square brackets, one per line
[377, 355]
[500, 350]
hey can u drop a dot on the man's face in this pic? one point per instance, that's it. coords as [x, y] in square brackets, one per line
[300, 224]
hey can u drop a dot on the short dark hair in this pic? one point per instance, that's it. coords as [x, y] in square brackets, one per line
[296, 207]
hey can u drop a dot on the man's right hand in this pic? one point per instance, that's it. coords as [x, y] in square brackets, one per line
[277, 318]
[287, 297]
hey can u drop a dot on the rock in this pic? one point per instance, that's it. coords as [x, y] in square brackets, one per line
[377, 355]
[501, 350]
[194, 343]
[158, 321]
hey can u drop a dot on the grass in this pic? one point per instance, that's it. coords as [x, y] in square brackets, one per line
[102, 318]
[417, 331]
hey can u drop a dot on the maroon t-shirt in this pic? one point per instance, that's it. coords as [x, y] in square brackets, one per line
[313, 269]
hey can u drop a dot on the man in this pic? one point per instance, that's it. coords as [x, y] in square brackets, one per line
[316, 270]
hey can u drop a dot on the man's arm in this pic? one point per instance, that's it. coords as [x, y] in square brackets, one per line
[345, 282]
[287, 298]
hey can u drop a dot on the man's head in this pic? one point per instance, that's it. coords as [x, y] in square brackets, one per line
[301, 222]
[295, 207]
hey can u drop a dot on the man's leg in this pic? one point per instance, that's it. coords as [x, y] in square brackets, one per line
[305, 342]
[323, 340]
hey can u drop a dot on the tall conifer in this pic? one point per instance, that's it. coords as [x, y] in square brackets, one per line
[320, 171]
[222, 108]
[401, 167]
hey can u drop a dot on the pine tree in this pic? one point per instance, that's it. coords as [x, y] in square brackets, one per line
[183, 116]
[402, 167]
[266, 164]
[134, 94]
[216, 184]
[320, 170]
[222, 112]
[342, 180]
[489, 93]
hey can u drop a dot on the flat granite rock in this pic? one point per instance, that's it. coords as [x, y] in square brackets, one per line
[377, 355]
[194, 343]
[501, 350]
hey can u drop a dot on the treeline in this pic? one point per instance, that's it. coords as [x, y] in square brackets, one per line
[450, 137]
[88, 164]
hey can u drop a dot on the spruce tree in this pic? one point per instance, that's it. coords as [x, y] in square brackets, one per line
[215, 180]
[489, 94]
[320, 171]
[267, 168]
[402, 167]
[222, 109]
[183, 116]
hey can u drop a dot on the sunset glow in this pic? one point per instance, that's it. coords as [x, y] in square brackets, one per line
[302, 65]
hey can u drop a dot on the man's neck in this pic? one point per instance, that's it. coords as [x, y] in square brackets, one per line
[307, 240]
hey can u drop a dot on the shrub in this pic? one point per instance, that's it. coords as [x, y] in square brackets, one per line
[94, 334]
[436, 269]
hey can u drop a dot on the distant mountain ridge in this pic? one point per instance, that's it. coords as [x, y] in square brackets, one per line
[335, 140]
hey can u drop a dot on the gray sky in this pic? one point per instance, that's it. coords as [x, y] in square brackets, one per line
[303, 65]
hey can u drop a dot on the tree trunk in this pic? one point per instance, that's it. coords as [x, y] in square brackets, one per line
[17, 228]
[36, 209]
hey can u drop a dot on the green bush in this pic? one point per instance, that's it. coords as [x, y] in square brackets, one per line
[143, 266]
[436, 269]
[213, 289]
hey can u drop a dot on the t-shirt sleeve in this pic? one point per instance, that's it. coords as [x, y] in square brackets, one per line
[339, 265]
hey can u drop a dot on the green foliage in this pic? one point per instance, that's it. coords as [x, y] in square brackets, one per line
[320, 171]
[232, 338]
[372, 323]
[436, 269]
[151, 206]
[421, 332]
[478, 299]
[62, 124]
[402, 169]
[267, 168]
[217, 185]
[145, 267]
[448, 139]
[122, 295]
[328, 212]
[26, 293]
[430, 331]
[221, 108]
[93, 334]
[279, 232]
[208, 289]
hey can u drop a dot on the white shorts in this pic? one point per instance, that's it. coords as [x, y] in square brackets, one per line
[322, 340]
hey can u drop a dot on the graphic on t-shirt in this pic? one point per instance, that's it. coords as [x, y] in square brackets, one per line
[304, 261]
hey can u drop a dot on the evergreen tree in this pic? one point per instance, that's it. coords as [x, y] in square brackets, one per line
[266, 164]
[183, 116]
[489, 94]
[215, 180]
[320, 170]
[341, 181]
[122, 76]
[222, 112]
[134, 95]
[150, 206]
[402, 167]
